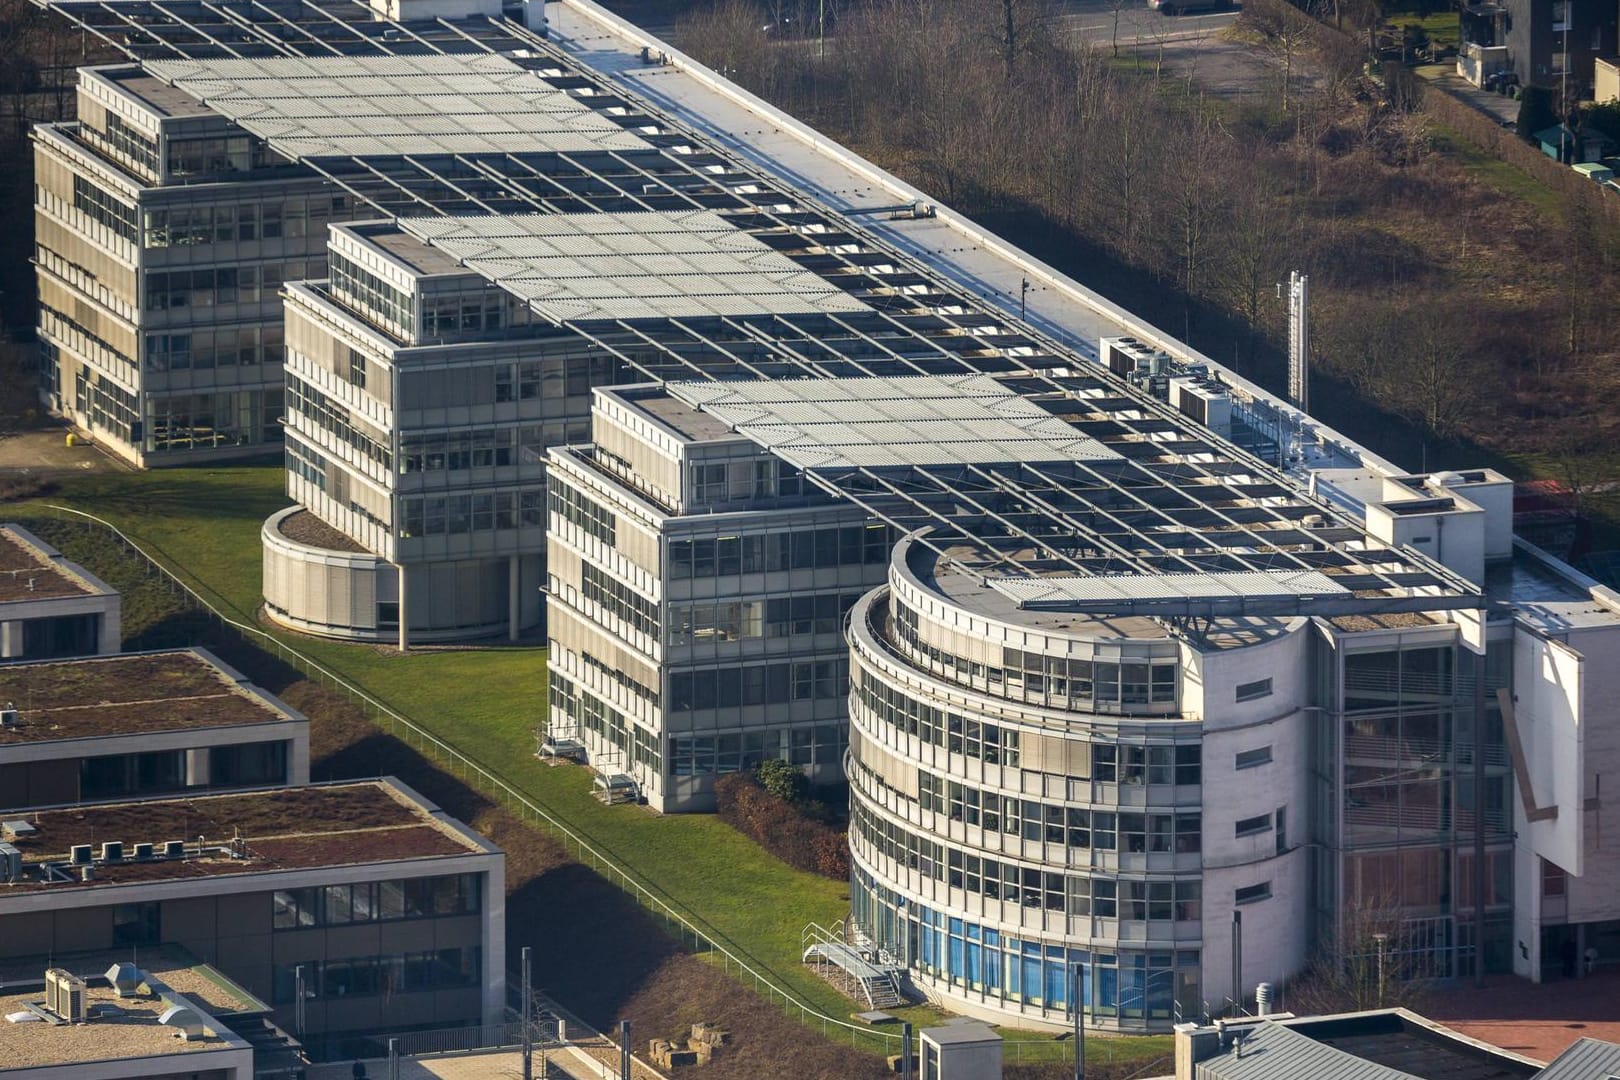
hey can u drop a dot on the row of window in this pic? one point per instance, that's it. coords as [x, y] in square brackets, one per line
[1130, 985]
[1076, 895]
[778, 617]
[371, 976]
[370, 296]
[305, 463]
[122, 140]
[103, 208]
[167, 290]
[548, 383]
[454, 515]
[580, 510]
[618, 599]
[990, 743]
[487, 448]
[596, 716]
[332, 417]
[221, 418]
[111, 407]
[805, 549]
[620, 679]
[376, 901]
[218, 154]
[204, 349]
[725, 481]
[709, 755]
[1097, 830]
[192, 225]
[758, 684]
[443, 316]
[1145, 685]
[77, 336]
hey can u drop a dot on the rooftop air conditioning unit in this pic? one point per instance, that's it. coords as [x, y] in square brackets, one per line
[112, 851]
[64, 995]
[11, 864]
[174, 849]
[80, 855]
[9, 716]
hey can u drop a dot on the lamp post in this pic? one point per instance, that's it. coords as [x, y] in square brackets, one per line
[1380, 939]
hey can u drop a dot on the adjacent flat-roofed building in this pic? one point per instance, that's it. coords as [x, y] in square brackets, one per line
[141, 724]
[698, 590]
[421, 400]
[50, 607]
[169, 1018]
[390, 912]
[163, 235]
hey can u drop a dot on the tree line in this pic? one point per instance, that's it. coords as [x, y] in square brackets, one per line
[1436, 300]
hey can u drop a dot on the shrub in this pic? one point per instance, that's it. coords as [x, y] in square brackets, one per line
[783, 780]
[780, 828]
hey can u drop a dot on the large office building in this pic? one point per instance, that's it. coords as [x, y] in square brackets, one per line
[50, 607]
[138, 725]
[1153, 698]
[421, 399]
[163, 234]
[698, 588]
[385, 911]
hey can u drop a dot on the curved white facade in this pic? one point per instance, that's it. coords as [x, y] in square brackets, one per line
[1035, 792]
[355, 595]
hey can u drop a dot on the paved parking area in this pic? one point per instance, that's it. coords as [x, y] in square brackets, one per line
[1538, 1021]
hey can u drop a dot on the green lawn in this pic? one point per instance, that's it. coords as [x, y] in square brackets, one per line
[204, 525]
[1492, 170]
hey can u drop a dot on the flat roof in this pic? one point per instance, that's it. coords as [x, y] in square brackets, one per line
[137, 694]
[675, 414]
[339, 106]
[631, 266]
[159, 96]
[420, 258]
[303, 828]
[33, 570]
[118, 1028]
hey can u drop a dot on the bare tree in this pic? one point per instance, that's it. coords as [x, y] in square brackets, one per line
[1374, 961]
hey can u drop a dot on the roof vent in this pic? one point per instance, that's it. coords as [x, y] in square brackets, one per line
[125, 979]
[174, 849]
[184, 1019]
[17, 829]
[64, 995]
[112, 851]
[79, 855]
[143, 851]
[11, 864]
[9, 716]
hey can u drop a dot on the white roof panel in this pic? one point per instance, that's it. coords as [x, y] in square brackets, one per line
[918, 421]
[1109, 589]
[583, 267]
[342, 106]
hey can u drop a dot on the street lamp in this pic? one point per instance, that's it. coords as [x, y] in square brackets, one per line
[1380, 939]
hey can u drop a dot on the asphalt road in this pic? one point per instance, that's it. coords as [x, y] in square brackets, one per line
[1139, 25]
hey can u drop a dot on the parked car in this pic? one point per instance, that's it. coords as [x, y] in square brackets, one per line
[1187, 7]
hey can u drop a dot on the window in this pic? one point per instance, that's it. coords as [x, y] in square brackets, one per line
[1252, 894]
[357, 368]
[1249, 759]
[1553, 880]
[1254, 691]
[1254, 825]
[137, 924]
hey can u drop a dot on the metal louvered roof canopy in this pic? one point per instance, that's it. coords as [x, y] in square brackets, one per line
[344, 106]
[479, 116]
[608, 266]
[1012, 487]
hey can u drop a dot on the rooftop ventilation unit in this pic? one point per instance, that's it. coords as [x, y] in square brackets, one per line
[125, 979]
[174, 849]
[80, 855]
[184, 1019]
[143, 851]
[11, 864]
[64, 995]
[9, 716]
[16, 830]
[112, 851]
